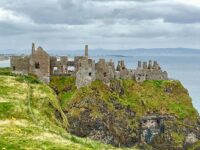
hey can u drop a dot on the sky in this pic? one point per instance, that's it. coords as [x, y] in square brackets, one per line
[107, 24]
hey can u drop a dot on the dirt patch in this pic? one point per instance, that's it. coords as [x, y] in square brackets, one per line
[7, 122]
[46, 136]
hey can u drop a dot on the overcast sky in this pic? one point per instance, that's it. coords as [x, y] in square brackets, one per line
[108, 24]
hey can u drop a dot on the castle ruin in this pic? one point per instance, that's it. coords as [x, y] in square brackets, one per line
[83, 68]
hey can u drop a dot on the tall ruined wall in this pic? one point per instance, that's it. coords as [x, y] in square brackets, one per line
[59, 65]
[40, 64]
[20, 64]
[85, 73]
[77, 63]
[122, 71]
[156, 75]
[149, 71]
[53, 63]
[104, 71]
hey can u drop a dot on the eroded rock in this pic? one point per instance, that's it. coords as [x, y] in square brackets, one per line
[101, 122]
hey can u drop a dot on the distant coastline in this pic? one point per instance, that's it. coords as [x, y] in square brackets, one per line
[3, 58]
[5, 62]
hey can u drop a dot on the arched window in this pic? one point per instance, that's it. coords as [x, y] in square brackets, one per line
[14, 68]
[37, 65]
[90, 74]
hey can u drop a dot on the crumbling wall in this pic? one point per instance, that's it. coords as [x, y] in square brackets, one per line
[20, 64]
[76, 62]
[40, 64]
[123, 72]
[149, 71]
[85, 73]
[59, 65]
[84, 69]
[140, 76]
[104, 71]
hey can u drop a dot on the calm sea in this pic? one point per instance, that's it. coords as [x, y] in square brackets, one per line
[181, 64]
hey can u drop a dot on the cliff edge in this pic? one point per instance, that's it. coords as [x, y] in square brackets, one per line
[123, 115]
[153, 114]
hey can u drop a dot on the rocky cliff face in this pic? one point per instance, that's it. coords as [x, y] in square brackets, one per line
[153, 114]
[93, 118]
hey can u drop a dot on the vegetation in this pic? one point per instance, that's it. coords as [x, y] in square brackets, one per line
[165, 97]
[31, 117]
[32, 114]
[5, 71]
[196, 146]
[151, 97]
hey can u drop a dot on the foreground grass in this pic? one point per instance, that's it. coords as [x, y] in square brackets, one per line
[28, 120]
[31, 113]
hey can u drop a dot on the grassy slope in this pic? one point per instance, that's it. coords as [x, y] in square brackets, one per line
[162, 97]
[143, 98]
[151, 96]
[27, 109]
[27, 119]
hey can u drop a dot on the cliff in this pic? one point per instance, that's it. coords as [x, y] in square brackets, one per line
[153, 114]
[147, 115]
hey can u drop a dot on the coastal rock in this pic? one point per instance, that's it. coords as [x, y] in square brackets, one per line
[127, 114]
[104, 124]
[191, 138]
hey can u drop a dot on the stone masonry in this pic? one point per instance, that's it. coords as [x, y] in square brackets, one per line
[149, 71]
[83, 68]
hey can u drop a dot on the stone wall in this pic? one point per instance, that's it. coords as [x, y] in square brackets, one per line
[40, 64]
[20, 64]
[76, 62]
[84, 69]
[85, 73]
[59, 65]
[149, 71]
[104, 71]
[123, 72]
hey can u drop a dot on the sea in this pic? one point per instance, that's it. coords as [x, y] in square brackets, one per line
[180, 63]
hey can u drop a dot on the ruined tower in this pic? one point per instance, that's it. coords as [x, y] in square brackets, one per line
[33, 47]
[39, 63]
[139, 65]
[86, 50]
[145, 65]
[150, 66]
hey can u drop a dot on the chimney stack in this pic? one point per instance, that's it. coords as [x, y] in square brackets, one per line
[150, 66]
[33, 47]
[139, 65]
[86, 50]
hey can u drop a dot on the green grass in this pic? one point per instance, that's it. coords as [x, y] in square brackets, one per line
[143, 98]
[5, 71]
[62, 84]
[178, 139]
[196, 146]
[65, 98]
[150, 96]
[27, 108]
[28, 121]
[5, 109]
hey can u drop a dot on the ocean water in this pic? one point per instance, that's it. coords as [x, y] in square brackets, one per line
[181, 64]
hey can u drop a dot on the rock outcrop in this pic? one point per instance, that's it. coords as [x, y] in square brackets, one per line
[153, 114]
[94, 119]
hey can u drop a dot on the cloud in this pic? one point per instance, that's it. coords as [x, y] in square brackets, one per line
[85, 12]
[101, 21]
